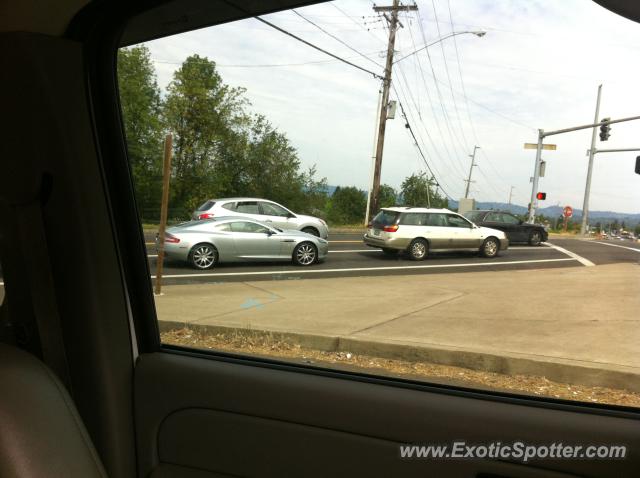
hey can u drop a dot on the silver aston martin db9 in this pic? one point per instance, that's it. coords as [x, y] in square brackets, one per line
[236, 239]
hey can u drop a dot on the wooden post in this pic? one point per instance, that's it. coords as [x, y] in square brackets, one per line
[166, 174]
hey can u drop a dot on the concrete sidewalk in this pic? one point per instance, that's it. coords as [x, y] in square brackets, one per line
[576, 325]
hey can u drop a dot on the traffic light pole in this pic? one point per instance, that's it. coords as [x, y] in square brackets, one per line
[542, 134]
[536, 176]
[587, 189]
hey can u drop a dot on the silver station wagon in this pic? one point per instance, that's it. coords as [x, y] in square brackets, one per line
[420, 230]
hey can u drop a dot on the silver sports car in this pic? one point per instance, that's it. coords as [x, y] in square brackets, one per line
[235, 239]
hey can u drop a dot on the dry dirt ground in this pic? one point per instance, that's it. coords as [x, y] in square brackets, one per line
[521, 384]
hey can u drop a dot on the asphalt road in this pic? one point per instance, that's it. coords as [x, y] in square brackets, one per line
[349, 257]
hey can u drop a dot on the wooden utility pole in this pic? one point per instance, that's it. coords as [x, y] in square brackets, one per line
[386, 86]
[166, 174]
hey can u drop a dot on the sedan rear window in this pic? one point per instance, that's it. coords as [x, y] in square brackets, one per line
[385, 218]
[206, 206]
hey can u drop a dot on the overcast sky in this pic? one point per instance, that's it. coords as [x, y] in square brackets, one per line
[538, 66]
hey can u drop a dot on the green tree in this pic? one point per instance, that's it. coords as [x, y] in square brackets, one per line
[208, 121]
[347, 205]
[141, 113]
[387, 196]
[421, 191]
[637, 230]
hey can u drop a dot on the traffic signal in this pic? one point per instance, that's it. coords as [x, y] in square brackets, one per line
[604, 130]
[541, 196]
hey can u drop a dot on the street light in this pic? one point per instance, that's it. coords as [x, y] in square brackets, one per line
[478, 33]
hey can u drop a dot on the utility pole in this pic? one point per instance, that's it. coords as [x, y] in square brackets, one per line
[468, 181]
[164, 207]
[592, 152]
[386, 86]
[511, 194]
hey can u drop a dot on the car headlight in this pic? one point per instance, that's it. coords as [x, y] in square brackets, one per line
[322, 241]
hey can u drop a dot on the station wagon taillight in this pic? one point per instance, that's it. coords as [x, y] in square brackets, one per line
[206, 215]
[392, 228]
[171, 238]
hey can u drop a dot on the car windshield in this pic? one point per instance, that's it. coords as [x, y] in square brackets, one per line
[474, 216]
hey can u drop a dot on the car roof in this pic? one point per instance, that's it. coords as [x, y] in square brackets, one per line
[416, 209]
[221, 220]
[239, 199]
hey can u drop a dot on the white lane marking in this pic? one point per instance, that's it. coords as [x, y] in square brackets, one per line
[616, 245]
[357, 250]
[582, 260]
[359, 269]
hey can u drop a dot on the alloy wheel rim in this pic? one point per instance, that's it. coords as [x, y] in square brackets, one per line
[419, 249]
[203, 257]
[490, 248]
[306, 254]
[535, 238]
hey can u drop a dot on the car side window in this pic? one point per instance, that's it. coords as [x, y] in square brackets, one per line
[248, 207]
[438, 220]
[224, 227]
[244, 226]
[231, 206]
[457, 221]
[414, 219]
[509, 219]
[493, 217]
[270, 209]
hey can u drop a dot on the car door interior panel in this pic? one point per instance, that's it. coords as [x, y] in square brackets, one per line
[238, 420]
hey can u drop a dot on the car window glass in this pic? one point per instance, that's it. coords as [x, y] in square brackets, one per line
[206, 206]
[438, 220]
[385, 218]
[457, 221]
[475, 216]
[270, 209]
[248, 207]
[509, 219]
[245, 226]
[414, 219]
[259, 118]
[223, 227]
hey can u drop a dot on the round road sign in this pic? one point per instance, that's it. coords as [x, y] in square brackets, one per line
[567, 211]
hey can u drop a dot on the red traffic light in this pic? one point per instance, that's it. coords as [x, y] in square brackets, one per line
[541, 196]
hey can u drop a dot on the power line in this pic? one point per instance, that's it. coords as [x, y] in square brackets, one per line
[375, 75]
[446, 69]
[415, 140]
[361, 26]
[336, 38]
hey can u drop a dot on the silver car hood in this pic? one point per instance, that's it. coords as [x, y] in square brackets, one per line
[296, 233]
[304, 217]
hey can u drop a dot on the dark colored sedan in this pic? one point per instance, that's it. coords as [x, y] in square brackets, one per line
[515, 229]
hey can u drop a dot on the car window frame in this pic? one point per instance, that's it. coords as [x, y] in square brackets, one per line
[260, 203]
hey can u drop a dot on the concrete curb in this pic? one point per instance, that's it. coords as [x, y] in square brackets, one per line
[554, 369]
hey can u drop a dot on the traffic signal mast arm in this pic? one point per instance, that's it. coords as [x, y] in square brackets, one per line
[544, 134]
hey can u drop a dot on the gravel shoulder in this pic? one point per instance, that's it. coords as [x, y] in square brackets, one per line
[271, 348]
